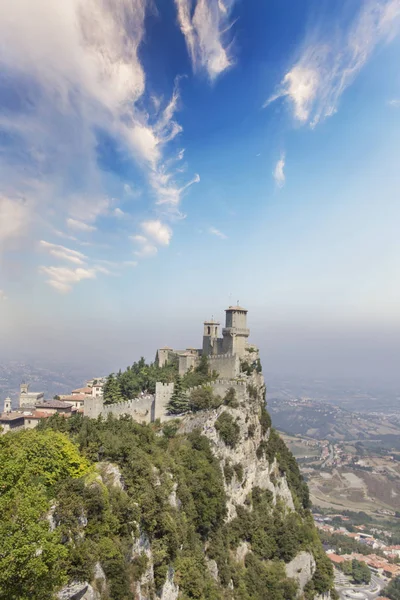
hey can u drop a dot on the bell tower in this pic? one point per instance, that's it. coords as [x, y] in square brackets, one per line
[210, 337]
[7, 405]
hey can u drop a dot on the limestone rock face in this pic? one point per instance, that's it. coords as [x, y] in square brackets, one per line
[256, 472]
[301, 568]
[142, 546]
[111, 475]
[170, 591]
[78, 591]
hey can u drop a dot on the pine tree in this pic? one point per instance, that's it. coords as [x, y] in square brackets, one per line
[179, 403]
[112, 390]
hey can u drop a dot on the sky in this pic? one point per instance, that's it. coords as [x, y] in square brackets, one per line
[162, 159]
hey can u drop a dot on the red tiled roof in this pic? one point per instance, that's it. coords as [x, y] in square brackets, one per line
[335, 558]
[73, 397]
[83, 390]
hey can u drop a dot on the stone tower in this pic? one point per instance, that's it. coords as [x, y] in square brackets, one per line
[7, 405]
[210, 337]
[235, 332]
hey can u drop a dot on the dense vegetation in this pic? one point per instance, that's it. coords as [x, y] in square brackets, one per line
[357, 570]
[173, 492]
[392, 591]
[142, 377]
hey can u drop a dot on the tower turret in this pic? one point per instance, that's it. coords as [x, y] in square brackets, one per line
[235, 332]
[210, 337]
[7, 405]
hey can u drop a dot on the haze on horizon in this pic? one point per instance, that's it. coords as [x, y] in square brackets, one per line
[159, 160]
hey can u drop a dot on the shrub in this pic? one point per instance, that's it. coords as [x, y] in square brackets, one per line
[253, 392]
[238, 468]
[228, 429]
[228, 473]
[265, 420]
[230, 398]
[251, 430]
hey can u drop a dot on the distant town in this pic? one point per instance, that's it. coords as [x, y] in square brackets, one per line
[32, 406]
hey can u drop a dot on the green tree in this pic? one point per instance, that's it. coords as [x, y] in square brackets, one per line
[392, 591]
[360, 572]
[179, 403]
[112, 390]
[228, 429]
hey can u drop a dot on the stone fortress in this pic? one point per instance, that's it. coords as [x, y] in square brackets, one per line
[224, 355]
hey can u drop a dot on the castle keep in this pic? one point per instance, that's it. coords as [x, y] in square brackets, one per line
[224, 353]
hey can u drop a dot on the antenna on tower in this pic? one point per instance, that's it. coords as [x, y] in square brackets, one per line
[237, 303]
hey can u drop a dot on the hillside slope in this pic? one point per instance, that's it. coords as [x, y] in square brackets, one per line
[211, 506]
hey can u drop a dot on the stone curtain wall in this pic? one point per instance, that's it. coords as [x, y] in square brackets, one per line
[140, 409]
[226, 365]
[221, 386]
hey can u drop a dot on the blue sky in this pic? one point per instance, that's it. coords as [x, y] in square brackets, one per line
[160, 159]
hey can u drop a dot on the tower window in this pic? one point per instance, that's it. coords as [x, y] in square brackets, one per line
[209, 330]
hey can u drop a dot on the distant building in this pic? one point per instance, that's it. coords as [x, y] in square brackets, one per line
[11, 421]
[51, 407]
[87, 391]
[77, 400]
[27, 398]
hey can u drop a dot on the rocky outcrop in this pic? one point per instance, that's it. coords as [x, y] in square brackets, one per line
[78, 591]
[111, 475]
[301, 568]
[256, 471]
[141, 547]
[170, 590]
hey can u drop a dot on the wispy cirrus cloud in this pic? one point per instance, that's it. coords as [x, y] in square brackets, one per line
[63, 252]
[217, 233]
[278, 172]
[63, 279]
[74, 71]
[394, 103]
[206, 29]
[329, 63]
[80, 225]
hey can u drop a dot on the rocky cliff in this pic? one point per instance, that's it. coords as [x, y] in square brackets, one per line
[210, 506]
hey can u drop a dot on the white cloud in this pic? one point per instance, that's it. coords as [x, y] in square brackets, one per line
[167, 192]
[63, 278]
[130, 263]
[74, 67]
[218, 233]
[119, 213]
[394, 103]
[64, 253]
[14, 217]
[206, 34]
[2, 296]
[80, 225]
[278, 172]
[145, 248]
[159, 232]
[327, 66]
